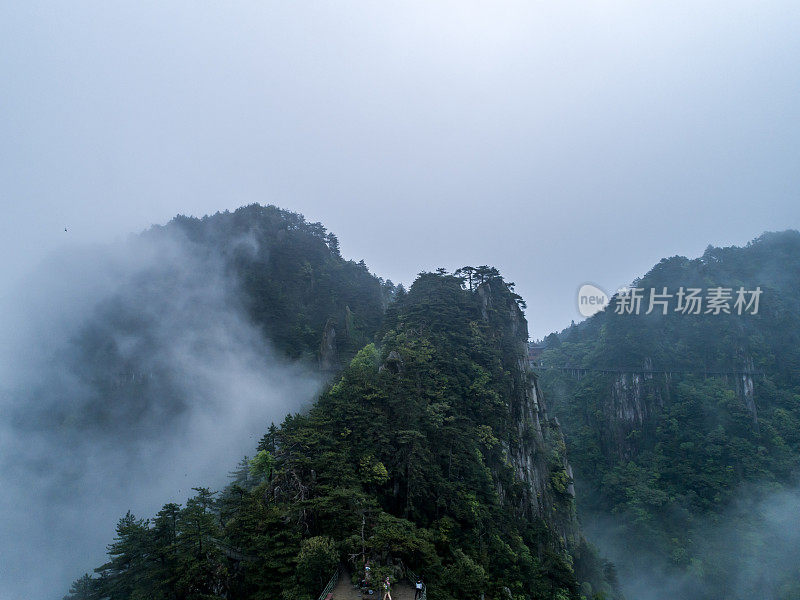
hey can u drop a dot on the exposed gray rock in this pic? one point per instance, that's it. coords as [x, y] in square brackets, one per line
[328, 352]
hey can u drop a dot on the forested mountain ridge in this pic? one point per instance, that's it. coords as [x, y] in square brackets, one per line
[431, 450]
[294, 282]
[679, 455]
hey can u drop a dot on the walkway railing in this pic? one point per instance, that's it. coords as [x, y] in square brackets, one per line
[412, 577]
[623, 371]
[331, 584]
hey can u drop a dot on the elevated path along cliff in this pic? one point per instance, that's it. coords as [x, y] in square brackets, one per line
[344, 590]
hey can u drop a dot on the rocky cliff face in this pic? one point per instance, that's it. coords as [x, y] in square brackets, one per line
[745, 385]
[536, 449]
[540, 461]
[328, 351]
[634, 400]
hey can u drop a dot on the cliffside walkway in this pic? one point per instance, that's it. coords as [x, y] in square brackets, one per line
[344, 590]
[620, 371]
[340, 588]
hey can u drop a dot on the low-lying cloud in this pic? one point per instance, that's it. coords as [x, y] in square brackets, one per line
[751, 550]
[128, 374]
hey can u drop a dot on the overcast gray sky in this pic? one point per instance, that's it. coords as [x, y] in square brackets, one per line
[561, 141]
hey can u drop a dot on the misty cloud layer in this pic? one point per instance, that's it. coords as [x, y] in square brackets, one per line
[755, 545]
[128, 374]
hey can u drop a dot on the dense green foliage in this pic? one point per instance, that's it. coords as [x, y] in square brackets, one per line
[405, 461]
[668, 461]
